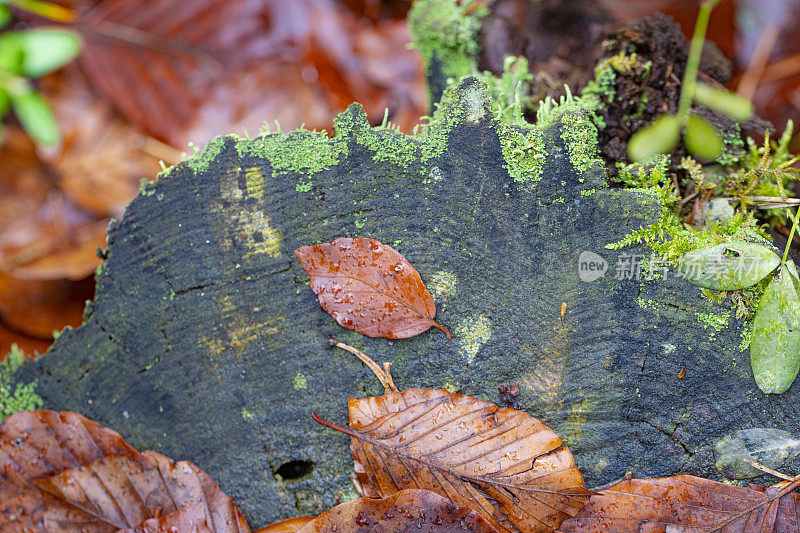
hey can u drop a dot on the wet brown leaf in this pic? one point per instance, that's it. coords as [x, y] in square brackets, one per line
[63, 472]
[509, 467]
[687, 504]
[290, 525]
[408, 510]
[369, 287]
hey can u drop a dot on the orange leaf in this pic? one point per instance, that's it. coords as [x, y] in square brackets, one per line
[420, 511]
[504, 464]
[687, 503]
[369, 287]
[62, 472]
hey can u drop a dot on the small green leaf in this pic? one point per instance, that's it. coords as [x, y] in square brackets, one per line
[5, 16]
[46, 50]
[728, 266]
[45, 9]
[36, 117]
[5, 102]
[702, 138]
[775, 346]
[660, 137]
[12, 53]
[735, 106]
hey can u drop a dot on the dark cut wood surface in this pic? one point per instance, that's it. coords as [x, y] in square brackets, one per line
[205, 342]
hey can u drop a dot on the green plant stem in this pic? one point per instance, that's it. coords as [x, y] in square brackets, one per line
[693, 61]
[794, 218]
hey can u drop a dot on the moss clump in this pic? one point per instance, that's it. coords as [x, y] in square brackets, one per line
[303, 151]
[201, 161]
[15, 397]
[446, 31]
[300, 381]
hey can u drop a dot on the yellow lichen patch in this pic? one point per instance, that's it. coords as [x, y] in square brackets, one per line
[547, 377]
[255, 182]
[300, 381]
[472, 333]
[576, 422]
[214, 346]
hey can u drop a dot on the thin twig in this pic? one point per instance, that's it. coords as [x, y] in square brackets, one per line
[767, 469]
[384, 376]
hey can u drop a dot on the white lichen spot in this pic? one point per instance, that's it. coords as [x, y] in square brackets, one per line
[247, 415]
[435, 173]
[442, 285]
[668, 348]
[472, 333]
[300, 381]
[601, 465]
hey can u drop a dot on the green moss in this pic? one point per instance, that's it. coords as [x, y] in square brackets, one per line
[715, 322]
[15, 397]
[303, 151]
[199, 163]
[580, 137]
[303, 186]
[506, 91]
[524, 152]
[447, 31]
[472, 333]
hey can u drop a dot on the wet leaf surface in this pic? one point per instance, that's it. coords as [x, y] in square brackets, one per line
[767, 446]
[63, 472]
[687, 504]
[728, 266]
[369, 287]
[775, 345]
[504, 464]
[407, 510]
[290, 525]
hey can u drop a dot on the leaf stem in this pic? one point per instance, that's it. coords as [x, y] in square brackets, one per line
[693, 61]
[795, 218]
[383, 374]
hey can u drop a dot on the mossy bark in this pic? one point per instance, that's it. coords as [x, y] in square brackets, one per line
[205, 342]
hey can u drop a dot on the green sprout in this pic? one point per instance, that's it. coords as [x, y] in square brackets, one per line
[30, 54]
[700, 136]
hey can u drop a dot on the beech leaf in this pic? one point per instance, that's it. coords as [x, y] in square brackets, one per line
[767, 446]
[503, 463]
[687, 504]
[62, 472]
[728, 266]
[775, 344]
[369, 287]
[290, 525]
[420, 511]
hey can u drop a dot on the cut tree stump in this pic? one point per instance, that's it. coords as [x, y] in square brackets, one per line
[206, 343]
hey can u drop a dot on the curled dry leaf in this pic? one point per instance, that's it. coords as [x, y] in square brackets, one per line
[687, 504]
[369, 287]
[421, 511]
[503, 463]
[63, 472]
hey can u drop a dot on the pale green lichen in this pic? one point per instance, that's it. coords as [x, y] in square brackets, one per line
[15, 397]
[300, 381]
[442, 285]
[472, 333]
[247, 415]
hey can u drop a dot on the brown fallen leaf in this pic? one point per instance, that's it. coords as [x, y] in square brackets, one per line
[369, 287]
[688, 504]
[506, 465]
[290, 525]
[421, 511]
[63, 472]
